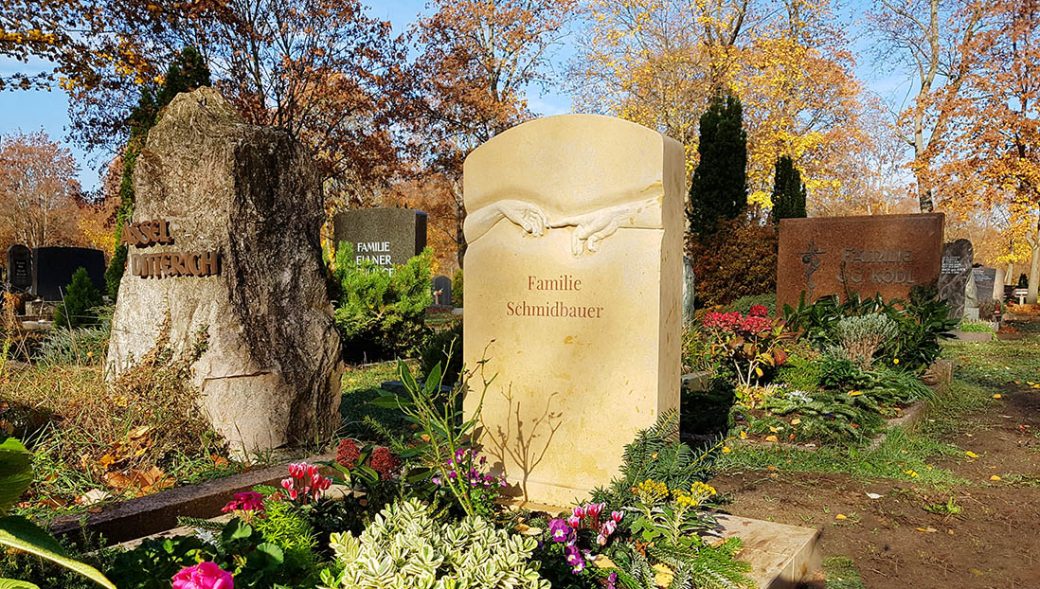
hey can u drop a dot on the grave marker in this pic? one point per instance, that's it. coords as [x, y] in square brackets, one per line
[880, 254]
[957, 259]
[388, 237]
[53, 267]
[19, 268]
[573, 296]
[224, 241]
[442, 291]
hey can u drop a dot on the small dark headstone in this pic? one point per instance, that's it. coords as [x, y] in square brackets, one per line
[389, 237]
[957, 260]
[985, 281]
[19, 268]
[442, 291]
[53, 268]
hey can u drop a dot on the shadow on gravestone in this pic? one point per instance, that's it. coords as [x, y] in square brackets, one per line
[573, 296]
[224, 241]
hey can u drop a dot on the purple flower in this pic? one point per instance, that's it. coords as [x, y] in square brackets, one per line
[574, 558]
[559, 530]
[611, 581]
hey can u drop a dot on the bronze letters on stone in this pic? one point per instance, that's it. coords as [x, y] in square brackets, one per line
[165, 264]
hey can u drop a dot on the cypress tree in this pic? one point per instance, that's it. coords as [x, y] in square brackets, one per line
[187, 72]
[718, 190]
[788, 191]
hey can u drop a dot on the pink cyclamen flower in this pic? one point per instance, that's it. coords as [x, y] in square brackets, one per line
[205, 575]
[305, 483]
[616, 516]
[592, 511]
[578, 511]
[574, 521]
[247, 501]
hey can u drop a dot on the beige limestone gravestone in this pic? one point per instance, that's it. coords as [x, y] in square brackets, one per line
[573, 296]
[224, 242]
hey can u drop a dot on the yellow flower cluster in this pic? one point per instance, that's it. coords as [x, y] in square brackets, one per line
[699, 493]
[651, 491]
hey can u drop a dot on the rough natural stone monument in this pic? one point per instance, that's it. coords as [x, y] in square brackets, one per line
[877, 254]
[573, 296]
[388, 237]
[225, 241]
[955, 275]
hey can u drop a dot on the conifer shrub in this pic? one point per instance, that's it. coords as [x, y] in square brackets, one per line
[81, 302]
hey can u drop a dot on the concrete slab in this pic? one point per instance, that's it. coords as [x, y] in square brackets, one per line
[781, 556]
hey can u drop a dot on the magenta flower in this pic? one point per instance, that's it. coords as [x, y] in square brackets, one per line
[616, 516]
[559, 530]
[574, 521]
[246, 501]
[205, 575]
[305, 483]
[578, 511]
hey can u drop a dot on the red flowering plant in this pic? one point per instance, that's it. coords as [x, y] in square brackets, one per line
[365, 465]
[746, 343]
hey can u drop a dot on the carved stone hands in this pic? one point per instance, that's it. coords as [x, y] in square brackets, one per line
[593, 227]
[525, 215]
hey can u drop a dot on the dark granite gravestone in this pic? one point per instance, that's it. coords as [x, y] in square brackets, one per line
[879, 254]
[389, 237]
[985, 283]
[957, 259]
[53, 268]
[19, 268]
[442, 291]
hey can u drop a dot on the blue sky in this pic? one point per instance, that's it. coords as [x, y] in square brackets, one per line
[36, 110]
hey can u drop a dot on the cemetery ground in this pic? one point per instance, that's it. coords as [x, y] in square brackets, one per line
[951, 501]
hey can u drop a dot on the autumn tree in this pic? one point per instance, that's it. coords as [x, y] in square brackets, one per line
[991, 156]
[659, 63]
[718, 190]
[38, 191]
[476, 60]
[323, 70]
[788, 191]
[927, 38]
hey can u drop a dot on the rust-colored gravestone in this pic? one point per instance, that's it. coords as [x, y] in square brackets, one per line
[879, 254]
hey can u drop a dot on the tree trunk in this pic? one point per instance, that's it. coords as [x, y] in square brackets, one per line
[1034, 269]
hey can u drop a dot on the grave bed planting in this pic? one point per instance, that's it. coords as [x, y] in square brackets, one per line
[827, 373]
[425, 507]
